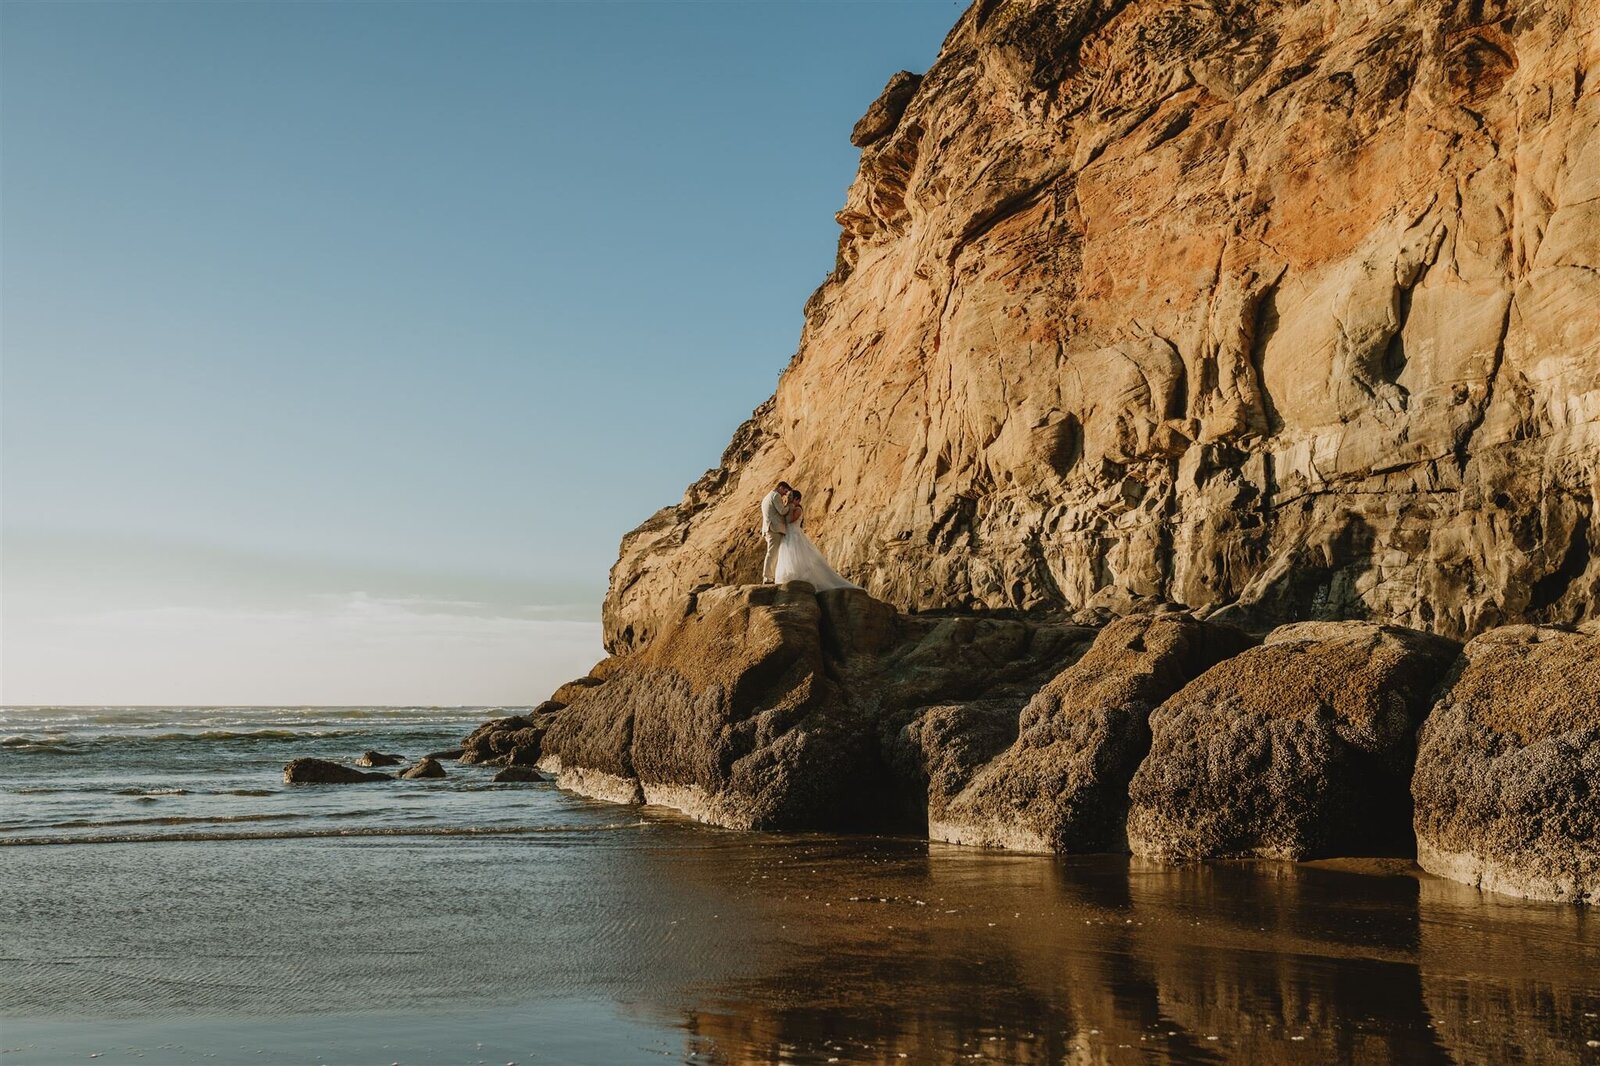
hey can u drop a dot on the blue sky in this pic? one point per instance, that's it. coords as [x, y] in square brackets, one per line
[342, 342]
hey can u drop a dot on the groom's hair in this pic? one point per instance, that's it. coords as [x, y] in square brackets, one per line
[784, 486]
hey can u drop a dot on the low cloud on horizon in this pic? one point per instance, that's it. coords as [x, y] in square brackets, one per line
[340, 649]
[117, 625]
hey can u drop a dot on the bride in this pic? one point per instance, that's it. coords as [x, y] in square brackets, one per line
[799, 559]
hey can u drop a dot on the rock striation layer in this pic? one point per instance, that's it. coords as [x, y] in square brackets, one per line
[1280, 311]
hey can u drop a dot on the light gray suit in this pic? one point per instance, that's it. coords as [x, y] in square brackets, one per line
[773, 527]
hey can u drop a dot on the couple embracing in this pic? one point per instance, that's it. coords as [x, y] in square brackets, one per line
[790, 554]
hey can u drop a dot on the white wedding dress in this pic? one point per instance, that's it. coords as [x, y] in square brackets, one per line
[799, 560]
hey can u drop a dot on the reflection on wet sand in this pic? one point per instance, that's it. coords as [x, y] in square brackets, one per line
[897, 951]
[726, 947]
[1508, 980]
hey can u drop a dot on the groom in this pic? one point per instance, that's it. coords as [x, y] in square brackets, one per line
[773, 525]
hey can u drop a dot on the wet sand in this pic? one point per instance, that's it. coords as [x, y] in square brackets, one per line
[657, 941]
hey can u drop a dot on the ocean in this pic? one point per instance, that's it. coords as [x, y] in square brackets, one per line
[167, 899]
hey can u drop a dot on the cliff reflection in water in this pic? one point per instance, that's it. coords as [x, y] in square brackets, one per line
[936, 953]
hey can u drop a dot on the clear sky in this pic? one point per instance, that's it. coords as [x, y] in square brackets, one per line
[342, 342]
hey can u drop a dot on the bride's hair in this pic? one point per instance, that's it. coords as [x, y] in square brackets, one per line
[794, 495]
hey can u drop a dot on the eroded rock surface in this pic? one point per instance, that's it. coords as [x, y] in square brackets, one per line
[1300, 748]
[1063, 786]
[1282, 310]
[1507, 781]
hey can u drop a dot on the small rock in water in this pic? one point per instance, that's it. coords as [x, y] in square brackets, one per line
[323, 772]
[424, 768]
[453, 753]
[519, 773]
[378, 758]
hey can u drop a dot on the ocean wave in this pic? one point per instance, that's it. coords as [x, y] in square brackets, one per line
[297, 834]
[198, 819]
[50, 720]
[70, 744]
[164, 791]
[41, 745]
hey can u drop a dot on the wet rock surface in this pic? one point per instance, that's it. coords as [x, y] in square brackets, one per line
[424, 768]
[378, 758]
[323, 772]
[514, 740]
[1296, 749]
[1063, 786]
[774, 707]
[1507, 782]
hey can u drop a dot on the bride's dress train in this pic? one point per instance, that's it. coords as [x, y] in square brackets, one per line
[799, 560]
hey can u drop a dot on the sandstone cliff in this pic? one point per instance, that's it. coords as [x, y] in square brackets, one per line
[1280, 311]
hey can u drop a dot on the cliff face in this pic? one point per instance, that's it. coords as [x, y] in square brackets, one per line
[1276, 310]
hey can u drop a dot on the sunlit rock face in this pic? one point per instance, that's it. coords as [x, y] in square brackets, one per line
[1280, 311]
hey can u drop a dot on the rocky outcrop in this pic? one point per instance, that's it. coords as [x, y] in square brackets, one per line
[773, 707]
[425, 768]
[323, 772]
[1063, 786]
[1279, 311]
[1507, 782]
[378, 758]
[514, 740]
[884, 114]
[1300, 748]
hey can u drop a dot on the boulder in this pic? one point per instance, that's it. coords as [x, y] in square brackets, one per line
[323, 772]
[449, 753]
[519, 774]
[1300, 748]
[1507, 782]
[1063, 785]
[424, 768]
[731, 717]
[378, 758]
